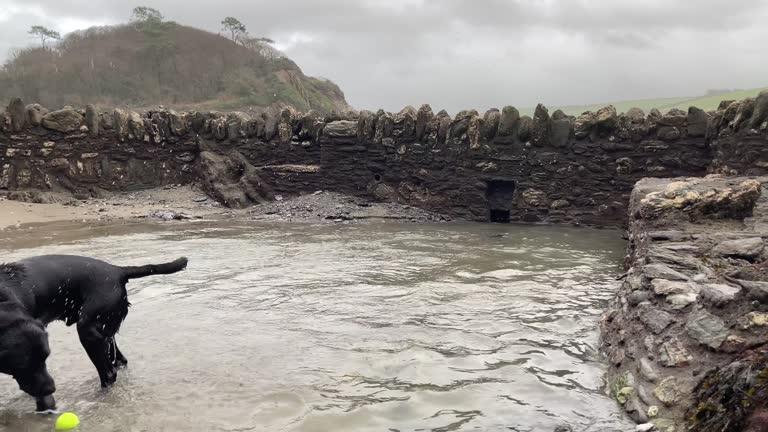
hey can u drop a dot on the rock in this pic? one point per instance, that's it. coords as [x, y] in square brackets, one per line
[535, 198]
[668, 391]
[635, 409]
[664, 425]
[509, 122]
[672, 353]
[760, 111]
[637, 297]
[706, 328]
[563, 428]
[748, 248]
[423, 118]
[92, 120]
[490, 125]
[121, 123]
[622, 396]
[560, 131]
[167, 215]
[755, 290]
[559, 204]
[660, 271]
[635, 115]
[35, 114]
[718, 294]
[341, 129]
[656, 320]
[178, 123]
[668, 133]
[136, 126]
[525, 128]
[542, 126]
[697, 122]
[582, 126]
[606, 118]
[752, 319]
[647, 371]
[732, 202]
[668, 287]
[653, 411]
[18, 114]
[64, 120]
[645, 427]
[680, 301]
[733, 344]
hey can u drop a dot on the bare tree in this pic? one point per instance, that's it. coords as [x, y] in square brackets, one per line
[44, 34]
[236, 29]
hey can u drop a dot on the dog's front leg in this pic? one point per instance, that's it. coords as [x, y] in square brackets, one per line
[45, 403]
[97, 346]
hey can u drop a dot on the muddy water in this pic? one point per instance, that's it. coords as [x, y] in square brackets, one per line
[346, 328]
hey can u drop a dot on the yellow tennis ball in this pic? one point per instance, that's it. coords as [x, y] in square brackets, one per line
[67, 421]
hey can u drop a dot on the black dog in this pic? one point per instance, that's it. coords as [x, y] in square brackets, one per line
[76, 290]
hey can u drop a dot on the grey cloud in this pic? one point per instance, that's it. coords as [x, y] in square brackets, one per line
[458, 54]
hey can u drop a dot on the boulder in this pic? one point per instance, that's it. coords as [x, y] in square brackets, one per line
[706, 328]
[755, 290]
[541, 127]
[509, 122]
[668, 133]
[749, 248]
[490, 125]
[136, 125]
[423, 117]
[647, 371]
[63, 120]
[18, 114]
[92, 120]
[718, 294]
[635, 115]
[178, 123]
[35, 114]
[561, 131]
[524, 129]
[606, 118]
[655, 319]
[341, 129]
[120, 122]
[760, 111]
[672, 287]
[583, 124]
[697, 122]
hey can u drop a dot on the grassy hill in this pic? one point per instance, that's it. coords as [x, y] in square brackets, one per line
[168, 64]
[709, 102]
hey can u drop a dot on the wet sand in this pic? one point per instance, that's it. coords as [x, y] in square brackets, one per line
[147, 204]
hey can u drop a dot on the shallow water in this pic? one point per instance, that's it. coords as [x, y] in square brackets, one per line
[346, 328]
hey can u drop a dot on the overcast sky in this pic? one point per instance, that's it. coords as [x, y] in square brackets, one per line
[458, 54]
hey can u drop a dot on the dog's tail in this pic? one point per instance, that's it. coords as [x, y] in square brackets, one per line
[154, 269]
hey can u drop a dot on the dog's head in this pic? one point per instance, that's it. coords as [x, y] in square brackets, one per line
[23, 352]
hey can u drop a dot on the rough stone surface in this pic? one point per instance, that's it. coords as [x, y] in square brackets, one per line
[661, 271]
[18, 114]
[674, 354]
[718, 294]
[741, 248]
[706, 328]
[668, 391]
[655, 319]
[65, 120]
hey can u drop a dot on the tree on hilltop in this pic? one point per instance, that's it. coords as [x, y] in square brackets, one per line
[236, 29]
[44, 34]
[144, 14]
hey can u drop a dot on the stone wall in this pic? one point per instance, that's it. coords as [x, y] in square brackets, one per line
[496, 166]
[687, 334]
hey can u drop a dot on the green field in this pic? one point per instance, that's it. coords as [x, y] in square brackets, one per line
[665, 104]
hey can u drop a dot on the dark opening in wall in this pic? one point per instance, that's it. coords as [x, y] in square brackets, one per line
[499, 194]
[377, 177]
[499, 216]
